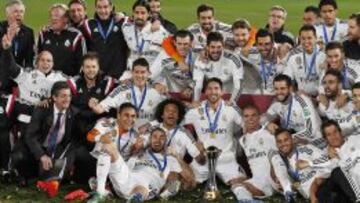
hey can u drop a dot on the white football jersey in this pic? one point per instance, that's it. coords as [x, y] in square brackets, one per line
[351, 124]
[257, 146]
[35, 85]
[165, 70]
[337, 32]
[228, 69]
[200, 37]
[123, 142]
[349, 154]
[335, 113]
[181, 140]
[152, 173]
[298, 69]
[123, 94]
[306, 176]
[267, 70]
[142, 43]
[303, 118]
[222, 138]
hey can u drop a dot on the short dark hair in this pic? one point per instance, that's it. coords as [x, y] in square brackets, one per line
[356, 17]
[183, 34]
[334, 45]
[312, 9]
[203, 8]
[328, 3]
[263, 33]
[141, 3]
[214, 37]
[283, 130]
[250, 106]
[141, 62]
[210, 80]
[161, 108]
[58, 86]
[152, 130]
[327, 124]
[242, 23]
[355, 86]
[81, 2]
[110, 2]
[90, 56]
[283, 77]
[334, 73]
[306, 28]
[126, 105]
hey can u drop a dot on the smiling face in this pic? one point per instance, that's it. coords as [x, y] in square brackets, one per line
[206, 20]
[308, 41]
[45, 62]
[103, 9]
[91, 68]
[58, 20]
[241, 36]
[62, 99]
[126, 118]
[353, 30]
[214, 50]
[356, 98]
[77, 12]
[282, 91]
[284, 143]
[213, 92]
[140, 75]
[334, 58]
[265, 46]
[157, 141]
[276, 19]
[183, 45]
[251, 119]
[331, 86]
[333, 136]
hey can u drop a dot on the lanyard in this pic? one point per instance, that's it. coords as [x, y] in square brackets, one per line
[213, 125]
[172, 135]
[101, 30]
[139, 46]
[161, 168]
[310, 69]
[287, 122]
[266, 71]
[127, 143]
[333, 33]
[294, 173]
[134, 98]
[345, 81]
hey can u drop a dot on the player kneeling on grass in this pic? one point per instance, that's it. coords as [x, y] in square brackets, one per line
[144, 176]
[120, 132]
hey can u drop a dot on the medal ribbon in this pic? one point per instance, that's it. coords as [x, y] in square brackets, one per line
[287, 122]
[161, 168]
[266, 71]
[139, 46]
[134, 98]
[101, 30]
[333, 33]
[119, 141]
[172, 135]
[345, 81]
[310, 69]
[213, 125]
[294, 173]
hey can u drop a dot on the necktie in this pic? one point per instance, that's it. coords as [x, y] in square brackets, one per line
[54, 134]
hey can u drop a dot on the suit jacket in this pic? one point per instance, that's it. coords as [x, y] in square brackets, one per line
[39, 127]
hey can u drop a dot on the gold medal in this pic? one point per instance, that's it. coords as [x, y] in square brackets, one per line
[296, 185]
[212, 135]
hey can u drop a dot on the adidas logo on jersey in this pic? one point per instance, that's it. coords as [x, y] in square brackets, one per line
[47, 42]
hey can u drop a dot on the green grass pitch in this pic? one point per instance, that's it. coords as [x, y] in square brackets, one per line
[183, 13]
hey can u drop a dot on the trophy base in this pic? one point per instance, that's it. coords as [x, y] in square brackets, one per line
[211, 195]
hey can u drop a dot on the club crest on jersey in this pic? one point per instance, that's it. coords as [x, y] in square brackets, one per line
[261, 141]
[298, 60]
[224, 118]
[67, 43]
[80, 90]
[200, 39]
[150, 103]
[98, 91]
[34, 75]
[128, 96]
[201, 111]
[358, 119]
[116, 28]
[352, 149]
[34, 82]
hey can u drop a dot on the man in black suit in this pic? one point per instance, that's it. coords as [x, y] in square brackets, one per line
[49, 143]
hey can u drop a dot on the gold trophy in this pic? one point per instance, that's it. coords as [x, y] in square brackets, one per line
[211, 192]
